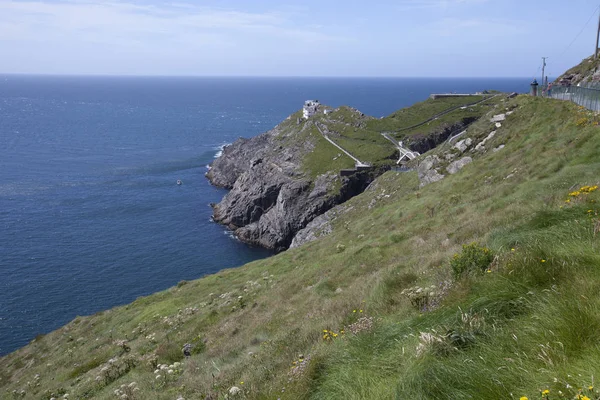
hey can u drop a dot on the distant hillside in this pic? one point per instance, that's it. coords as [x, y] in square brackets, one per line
[283, 179]
[583, 74]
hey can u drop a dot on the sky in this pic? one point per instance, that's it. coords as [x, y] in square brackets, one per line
[376, 38]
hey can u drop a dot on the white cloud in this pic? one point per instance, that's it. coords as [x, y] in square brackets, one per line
[405, 5]
[139, 37]
[128, 23]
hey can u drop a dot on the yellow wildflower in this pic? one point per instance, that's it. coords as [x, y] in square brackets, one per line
[523, 398]
[545, 392]
[543, 261]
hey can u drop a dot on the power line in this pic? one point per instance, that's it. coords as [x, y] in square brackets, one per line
[580, 32]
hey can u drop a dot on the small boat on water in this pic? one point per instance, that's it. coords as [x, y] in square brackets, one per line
[179, 182]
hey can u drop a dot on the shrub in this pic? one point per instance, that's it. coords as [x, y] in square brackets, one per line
[169, 352]
[472, 259]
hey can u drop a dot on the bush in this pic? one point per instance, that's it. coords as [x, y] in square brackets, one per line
[472, 259]
[169, 352]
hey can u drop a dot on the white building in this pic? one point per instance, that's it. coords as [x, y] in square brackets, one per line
[310, 108]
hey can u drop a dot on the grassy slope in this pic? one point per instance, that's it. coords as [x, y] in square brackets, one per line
[524, 324]
[418, 113]
[475, 111]
[361, 135]
[586, 68]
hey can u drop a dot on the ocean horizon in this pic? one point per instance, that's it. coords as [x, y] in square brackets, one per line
[92, 216]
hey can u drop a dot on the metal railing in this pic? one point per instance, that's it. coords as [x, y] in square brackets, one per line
[588, 97]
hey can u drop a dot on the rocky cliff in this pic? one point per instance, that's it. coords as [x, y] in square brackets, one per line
[273, 194]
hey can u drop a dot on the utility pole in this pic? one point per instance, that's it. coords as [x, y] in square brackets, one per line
[597, 39]
[544, 72]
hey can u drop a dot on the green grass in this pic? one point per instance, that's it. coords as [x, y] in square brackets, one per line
[418, 113]
[526, 325]
[324, 156]
[586, 68]
[449, 119]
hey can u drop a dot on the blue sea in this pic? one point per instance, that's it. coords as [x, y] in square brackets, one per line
[90, 213]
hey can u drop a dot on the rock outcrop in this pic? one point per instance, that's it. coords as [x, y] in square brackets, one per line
[456, 166]
[428, 170]
[422, 143]
[271, 197]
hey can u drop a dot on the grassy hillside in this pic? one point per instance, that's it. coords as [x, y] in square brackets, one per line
[419, 112]
[361, 135]
[583, 71]
[484, 285]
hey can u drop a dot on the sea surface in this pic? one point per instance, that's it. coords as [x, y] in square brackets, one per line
[91, 215]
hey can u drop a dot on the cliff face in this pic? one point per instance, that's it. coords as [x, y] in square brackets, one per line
[283, 179]
[272, 196]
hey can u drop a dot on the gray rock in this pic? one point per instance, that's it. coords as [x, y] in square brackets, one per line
[271, 198]
[318, 227]
[428, 163]
[481, 145]
[430, 177]
[498, 118]
[456, 166]
[426, 172]
[463, 145]
[498, 148]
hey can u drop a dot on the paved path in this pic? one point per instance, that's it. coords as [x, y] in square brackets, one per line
[356, 160]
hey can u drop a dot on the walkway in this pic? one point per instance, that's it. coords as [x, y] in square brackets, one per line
[356, 160]
[404, 153]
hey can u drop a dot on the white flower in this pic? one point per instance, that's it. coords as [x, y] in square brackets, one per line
[158, 376]
[234, 390]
